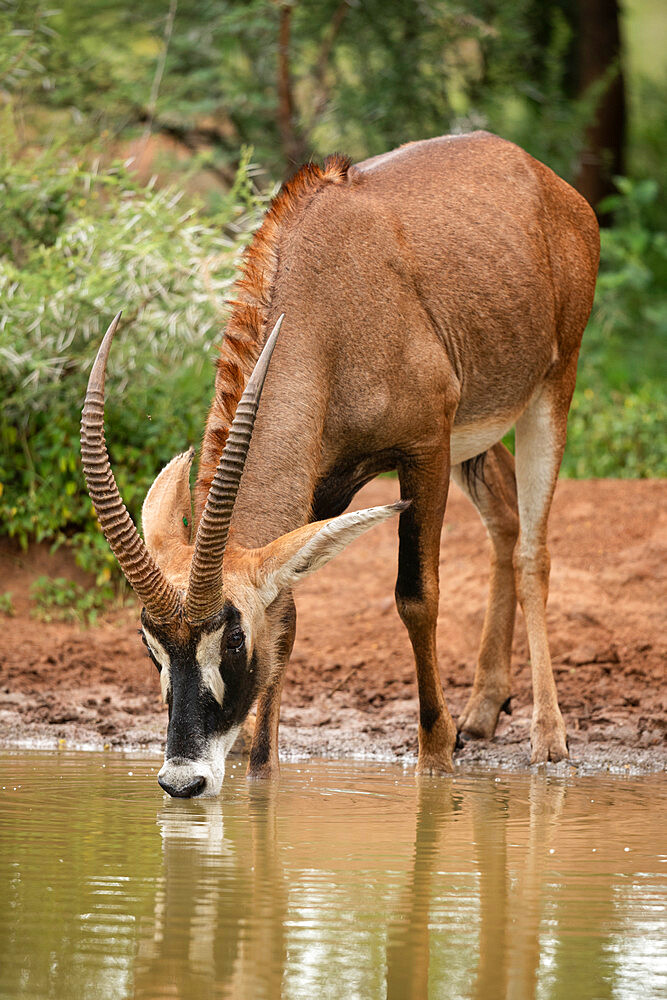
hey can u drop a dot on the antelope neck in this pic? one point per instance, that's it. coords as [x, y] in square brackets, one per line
[282, 467]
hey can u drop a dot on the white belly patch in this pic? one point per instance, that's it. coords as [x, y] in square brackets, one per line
[469, 440]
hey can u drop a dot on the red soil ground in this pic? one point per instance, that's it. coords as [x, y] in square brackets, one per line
[350, 686]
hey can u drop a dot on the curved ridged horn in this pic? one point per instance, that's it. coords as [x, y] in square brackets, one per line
[204, 597]
[143, 574]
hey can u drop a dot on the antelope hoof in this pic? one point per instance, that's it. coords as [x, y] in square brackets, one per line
[548, 740]
[263, 772]
[436, 744]
[431, 764]
[480, 716]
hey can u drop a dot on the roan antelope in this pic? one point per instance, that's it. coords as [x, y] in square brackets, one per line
[434, 297]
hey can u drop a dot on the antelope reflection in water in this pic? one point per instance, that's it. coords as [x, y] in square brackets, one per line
[522, 902]
[475, 907]
[409, 937]
[511, 894]
[220, 906]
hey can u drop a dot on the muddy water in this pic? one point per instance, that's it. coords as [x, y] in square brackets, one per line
[341, 881]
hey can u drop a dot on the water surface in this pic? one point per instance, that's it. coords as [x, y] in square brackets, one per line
[342, 880]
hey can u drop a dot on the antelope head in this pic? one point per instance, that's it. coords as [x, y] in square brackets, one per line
[212, 618]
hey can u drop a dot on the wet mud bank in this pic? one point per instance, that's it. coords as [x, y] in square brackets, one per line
[350, 690]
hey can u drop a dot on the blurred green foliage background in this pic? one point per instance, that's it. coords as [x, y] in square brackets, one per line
[138, 147]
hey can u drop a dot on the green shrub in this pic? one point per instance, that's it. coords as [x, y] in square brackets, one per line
[617, 434]
[618, 419]
[627, 337]
[78, 243]
[60, 599]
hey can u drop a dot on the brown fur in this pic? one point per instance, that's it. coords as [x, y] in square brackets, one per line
[244, 335]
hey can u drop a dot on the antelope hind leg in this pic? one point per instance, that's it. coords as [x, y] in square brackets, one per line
[493, 492]
[540, 442]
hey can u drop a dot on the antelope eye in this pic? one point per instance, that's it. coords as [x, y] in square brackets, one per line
[235, 640]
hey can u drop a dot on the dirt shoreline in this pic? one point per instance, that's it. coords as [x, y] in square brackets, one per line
[350, 689]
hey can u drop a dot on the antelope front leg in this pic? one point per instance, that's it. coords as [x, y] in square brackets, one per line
[264, 762]
[540, 442]
[425, 483]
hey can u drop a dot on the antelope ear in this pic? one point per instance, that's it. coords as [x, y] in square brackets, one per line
[166, 517]
[285, 561]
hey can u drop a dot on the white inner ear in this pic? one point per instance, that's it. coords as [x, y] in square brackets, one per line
[208, 658]
[160, 654]
[323, 546]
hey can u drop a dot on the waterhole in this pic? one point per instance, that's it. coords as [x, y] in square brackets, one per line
[341, 880]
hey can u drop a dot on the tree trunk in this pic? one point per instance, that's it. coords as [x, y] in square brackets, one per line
[322, 64]
[294, 148]
[600, 58]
